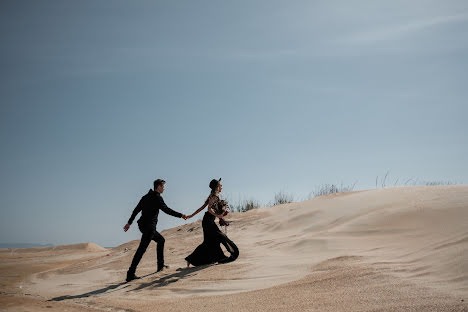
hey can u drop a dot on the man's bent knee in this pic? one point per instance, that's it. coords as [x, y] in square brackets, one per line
[159, 239]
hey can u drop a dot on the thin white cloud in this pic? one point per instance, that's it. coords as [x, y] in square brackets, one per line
[398, 31]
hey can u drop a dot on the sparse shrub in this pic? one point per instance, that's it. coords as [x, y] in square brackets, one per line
[282, 198]
[326, 189]
[246, 205]
[434, 183]
[411, 182]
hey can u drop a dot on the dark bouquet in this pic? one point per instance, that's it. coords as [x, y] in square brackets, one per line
[222, 208]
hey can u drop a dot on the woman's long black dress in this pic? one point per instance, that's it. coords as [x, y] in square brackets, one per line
[210, 250]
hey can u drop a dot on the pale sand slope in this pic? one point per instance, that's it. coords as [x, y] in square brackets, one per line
[403, 249]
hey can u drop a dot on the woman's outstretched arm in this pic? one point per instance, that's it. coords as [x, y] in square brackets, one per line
[199, 209]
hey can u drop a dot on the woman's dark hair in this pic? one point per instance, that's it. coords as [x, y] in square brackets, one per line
[214, 184]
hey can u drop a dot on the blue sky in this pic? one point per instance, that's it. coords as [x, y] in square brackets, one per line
[99, 98]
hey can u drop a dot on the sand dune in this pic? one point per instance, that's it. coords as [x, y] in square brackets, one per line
[402, 249]
[67, 248]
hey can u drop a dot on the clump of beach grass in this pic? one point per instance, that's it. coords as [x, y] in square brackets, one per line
[282, 198]
[434, 183]
[326, 189]
[410, 182]
[245, 205]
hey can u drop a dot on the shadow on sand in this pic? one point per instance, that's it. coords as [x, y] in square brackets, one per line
[171, 278]
[163, 281]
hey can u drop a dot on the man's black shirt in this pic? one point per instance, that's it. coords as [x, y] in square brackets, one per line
[149, 206]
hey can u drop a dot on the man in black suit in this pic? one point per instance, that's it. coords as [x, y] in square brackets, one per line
[149, 206]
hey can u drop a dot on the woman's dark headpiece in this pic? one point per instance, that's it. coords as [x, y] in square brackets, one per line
[214, 184]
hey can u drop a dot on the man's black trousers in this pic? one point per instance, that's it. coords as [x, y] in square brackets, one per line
[146, 238]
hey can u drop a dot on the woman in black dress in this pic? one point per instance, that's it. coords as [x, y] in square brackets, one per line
[210, 250]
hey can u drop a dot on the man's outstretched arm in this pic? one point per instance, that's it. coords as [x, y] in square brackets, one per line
[162, 205]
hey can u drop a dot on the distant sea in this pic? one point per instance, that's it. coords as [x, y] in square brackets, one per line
[5, 245]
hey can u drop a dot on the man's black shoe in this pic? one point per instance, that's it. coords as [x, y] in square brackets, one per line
[162, 267]
[131, 277]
